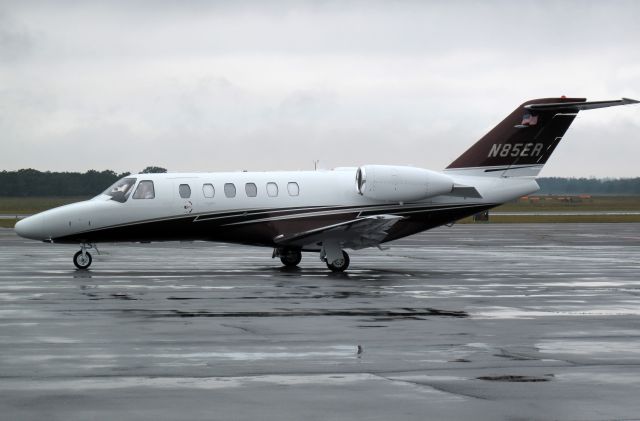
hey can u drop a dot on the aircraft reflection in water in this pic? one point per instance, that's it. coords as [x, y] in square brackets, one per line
[318, 211]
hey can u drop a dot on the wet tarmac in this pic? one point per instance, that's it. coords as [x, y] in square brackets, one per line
[479, 322]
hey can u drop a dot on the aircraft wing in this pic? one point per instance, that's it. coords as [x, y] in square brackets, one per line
[368, 231]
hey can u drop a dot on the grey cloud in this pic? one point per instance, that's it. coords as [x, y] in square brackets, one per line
[16, 41]
[523, 29]
[308, 105]
[264, 85]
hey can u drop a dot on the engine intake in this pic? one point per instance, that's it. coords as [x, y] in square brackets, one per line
[400, 183]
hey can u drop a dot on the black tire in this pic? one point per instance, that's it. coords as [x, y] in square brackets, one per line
[290, 258]
[340, 266]
[80, 262]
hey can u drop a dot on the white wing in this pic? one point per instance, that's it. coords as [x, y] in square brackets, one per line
[368, 231]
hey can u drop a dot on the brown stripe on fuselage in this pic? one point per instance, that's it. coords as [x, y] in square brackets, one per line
[263, 232]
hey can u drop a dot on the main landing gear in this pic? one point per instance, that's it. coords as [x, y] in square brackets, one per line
[337, 260]
[289, 257]
[82, 259]
[340, 264]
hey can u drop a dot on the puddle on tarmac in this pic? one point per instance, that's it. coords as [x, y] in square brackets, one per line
[378, 314]
[517, 379]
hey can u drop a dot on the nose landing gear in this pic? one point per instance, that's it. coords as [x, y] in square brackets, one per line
[82, 259]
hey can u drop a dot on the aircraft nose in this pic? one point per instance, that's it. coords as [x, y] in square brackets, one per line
[31, 227]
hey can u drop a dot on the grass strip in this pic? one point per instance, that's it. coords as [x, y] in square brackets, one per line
[29, 205]
[554, 219]
[554, 204]
[8, 223]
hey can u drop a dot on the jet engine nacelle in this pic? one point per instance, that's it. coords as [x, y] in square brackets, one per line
[401, 184]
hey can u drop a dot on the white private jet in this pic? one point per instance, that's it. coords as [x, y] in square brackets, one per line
[318, 211]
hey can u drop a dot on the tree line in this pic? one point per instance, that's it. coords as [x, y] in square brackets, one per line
[30, 182]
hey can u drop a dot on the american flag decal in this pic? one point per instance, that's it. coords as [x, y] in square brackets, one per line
[529, 120]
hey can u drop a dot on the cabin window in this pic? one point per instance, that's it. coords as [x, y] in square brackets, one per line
[185, 191]
[121, 189]
[230, 190]
[251, 189]
[272, 189]
[208, 191]
[293, 189]
[144, 190]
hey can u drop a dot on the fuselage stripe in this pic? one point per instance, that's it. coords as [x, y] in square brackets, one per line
[338, 210]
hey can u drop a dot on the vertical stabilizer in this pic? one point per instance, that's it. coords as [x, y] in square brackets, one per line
[523, 142]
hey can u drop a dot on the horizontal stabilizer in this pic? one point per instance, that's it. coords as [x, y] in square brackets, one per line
[358, 233]
[579, 106]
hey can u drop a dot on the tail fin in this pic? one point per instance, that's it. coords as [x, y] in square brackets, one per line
[523, 142]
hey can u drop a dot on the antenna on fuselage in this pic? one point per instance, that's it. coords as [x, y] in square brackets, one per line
[315, 164]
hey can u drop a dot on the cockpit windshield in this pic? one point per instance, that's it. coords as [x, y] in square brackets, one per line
[121, 189]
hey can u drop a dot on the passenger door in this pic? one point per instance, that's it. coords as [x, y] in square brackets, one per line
[148, 200]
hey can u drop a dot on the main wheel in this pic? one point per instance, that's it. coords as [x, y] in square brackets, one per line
[339, 265]
[82, 262]
[291, 258]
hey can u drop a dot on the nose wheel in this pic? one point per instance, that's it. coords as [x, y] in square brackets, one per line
[82, 259]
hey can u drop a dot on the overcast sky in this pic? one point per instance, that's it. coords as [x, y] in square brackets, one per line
[211, 86]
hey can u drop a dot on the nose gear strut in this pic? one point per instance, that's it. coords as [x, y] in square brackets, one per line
[82, 259]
